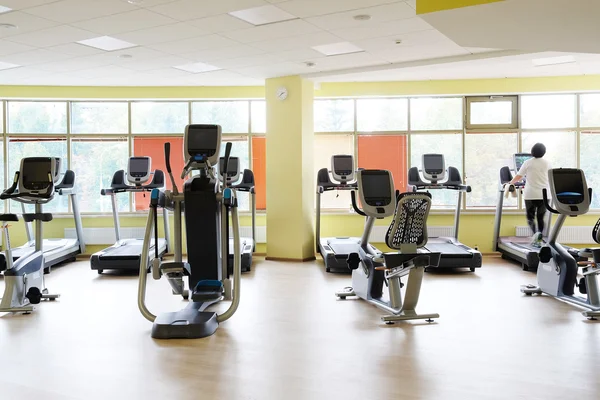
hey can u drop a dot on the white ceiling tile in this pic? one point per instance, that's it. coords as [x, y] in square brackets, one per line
[249, 61]
[75, 64]
[7, 65]
[294, 42]
[125, 22]
[262, 15]
[421, 38]
[107, 43]
[98, 72]
[309, 8]
[4, 9]
[379, 14]
[297, 55]
[223, 78]
[347, 61]
[149, 3]
[166, 73]
[412, 3]
[7, 48]
[412, 53]
[68, 11]
[373, 30]
[15, 76]
[24, 22]
[75, 49]
[185, 10]
[219, 23]
[161, 34]
[32, 57]
[277, 30]
[53, 36]
[222, 53]
[194, 44]
[334, 49]
[273, 70]
[154, 63]
[197, 67]
[21, 4]
[276, 1]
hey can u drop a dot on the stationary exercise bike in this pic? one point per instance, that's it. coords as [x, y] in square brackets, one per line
[558, 270]
[24, 278]
[372, 269]
[205, 204]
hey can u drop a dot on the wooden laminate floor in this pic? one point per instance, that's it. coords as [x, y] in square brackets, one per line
[291, 339]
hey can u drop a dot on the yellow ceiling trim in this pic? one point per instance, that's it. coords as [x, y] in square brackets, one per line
[429, 6]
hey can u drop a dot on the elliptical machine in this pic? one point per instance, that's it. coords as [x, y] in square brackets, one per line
[24, 278]
[205, 204]
[372, 269]
[557, 271]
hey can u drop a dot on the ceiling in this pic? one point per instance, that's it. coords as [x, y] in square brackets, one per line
[394, 44]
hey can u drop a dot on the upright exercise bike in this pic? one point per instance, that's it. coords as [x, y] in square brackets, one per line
[24, 278]
[558, 270]
[205, 203]
[407, 233]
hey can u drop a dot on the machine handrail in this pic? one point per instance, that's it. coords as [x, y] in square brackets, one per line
[547, 202]
[355, 206]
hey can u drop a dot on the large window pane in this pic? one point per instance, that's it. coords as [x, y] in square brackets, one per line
[560, 147]
[590, 143]
[325, 147]
[99, 117]
[37, 117]
[1, 117]
[19, 148]
[450, 145]
[485, 154]
[259, 116]
[259, 167]
[239, 149]
[431, 114]
[95, 161]
[388, 152]
[2, 183]
[590, 110]
[378, 115]
[493, 112]
[548, 111]
[159, 117]
[334, 116]
[231, 115]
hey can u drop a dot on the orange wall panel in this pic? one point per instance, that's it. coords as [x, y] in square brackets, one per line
[388, 152]
[259, 167]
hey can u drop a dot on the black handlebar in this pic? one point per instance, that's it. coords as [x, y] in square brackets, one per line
[226, 161]
[355, 206]
[168, 156]
[547, 202]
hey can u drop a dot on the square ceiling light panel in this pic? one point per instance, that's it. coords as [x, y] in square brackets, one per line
[335, 49]
[4, 9]
[263, 15]
[5, 65]
[196, 68]
[107, 43]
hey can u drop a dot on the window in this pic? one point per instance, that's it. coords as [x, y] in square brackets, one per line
[159, 117]
[379, 115]
[259, 116]
[450, 145]
[485, 154]
[492, 112]
[19, 148]
[548, 111]
[99, 117]
[259, 167]
[95, 161]
[435, 114]
[590, 110]
[334, 115]
[560, 147]
[231, 115]
[326, 146]
[590, 143]
[239, 148]
[154, 147]
[385, 152]
[37, 117]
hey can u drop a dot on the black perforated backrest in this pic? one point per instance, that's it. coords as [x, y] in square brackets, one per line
[409, 225]
[453, 177]
[505, 175]
[596, 232]
[158, 180]
[67, 182]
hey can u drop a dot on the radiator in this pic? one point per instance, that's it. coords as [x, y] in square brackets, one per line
[379, 232]
[106, 236]
[568, 234]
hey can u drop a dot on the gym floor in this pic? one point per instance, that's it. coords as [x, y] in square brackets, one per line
[291, 339]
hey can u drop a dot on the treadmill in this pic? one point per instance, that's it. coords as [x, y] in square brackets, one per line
[247, 245]
[519, 248]
[454, 254]
[335, 250]
[125, 254]
[56, 251]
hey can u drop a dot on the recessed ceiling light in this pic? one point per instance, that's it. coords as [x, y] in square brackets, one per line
[196, 68]
[310, 64]
[542, 62]
[107, 43]
[4, 9]
[135, 2]
[263, 15]
[362, 17]
[5, 65]
[8, 26]
[398, 41]
[125, 56]
[335, 49]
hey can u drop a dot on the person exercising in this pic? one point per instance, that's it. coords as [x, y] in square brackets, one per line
[535, 170]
